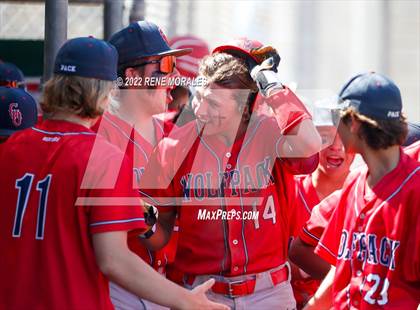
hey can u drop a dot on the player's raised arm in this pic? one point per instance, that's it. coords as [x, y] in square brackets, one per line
[301, 139]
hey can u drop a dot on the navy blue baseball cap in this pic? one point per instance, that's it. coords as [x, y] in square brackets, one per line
[87, 57]
[10, 73]
[18, 110]
[373, 95]
[142, 39]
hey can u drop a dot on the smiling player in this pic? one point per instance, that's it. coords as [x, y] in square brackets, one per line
[371, 238]
[333, 168]
[232, 159]
[131, 123]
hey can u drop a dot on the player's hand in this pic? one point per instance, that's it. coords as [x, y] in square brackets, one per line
[264, 73]
[151, 214]
[200, 301]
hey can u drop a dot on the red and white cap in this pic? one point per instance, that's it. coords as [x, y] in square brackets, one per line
[240, 47]
[188, 65]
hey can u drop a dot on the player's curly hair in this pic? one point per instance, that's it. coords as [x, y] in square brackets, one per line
[378, 134]
[73, 94]
[230, 72]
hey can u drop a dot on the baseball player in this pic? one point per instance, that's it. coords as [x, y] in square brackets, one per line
[333, 168]
[302, 248]
[372, 233]
[179, 110]
[227, 163]
[65, 226]
[18, 111]
[131, 123]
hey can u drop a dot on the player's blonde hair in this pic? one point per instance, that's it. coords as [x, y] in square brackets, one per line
[230, 72]
[378, 134]
[76, 95]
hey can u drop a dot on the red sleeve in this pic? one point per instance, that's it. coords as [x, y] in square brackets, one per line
[289, 110]
[329, 242]
[411, 251]
[300, 212]
[107, 192]
[300, 165]
[313, 229]
[156, 186]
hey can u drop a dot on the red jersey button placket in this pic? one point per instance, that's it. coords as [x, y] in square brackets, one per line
[234, 226]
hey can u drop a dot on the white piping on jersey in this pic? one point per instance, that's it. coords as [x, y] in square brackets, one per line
[356, 195]
[327, 249]
[281, 139]
[137, 219]
[304, 201]
[155, 202]
[158, 125]
[222, 201]
[64, 133]
[369, 222]
[128, 137]
[150, 256]
[240, 195]
[252, 134]
[308, 233]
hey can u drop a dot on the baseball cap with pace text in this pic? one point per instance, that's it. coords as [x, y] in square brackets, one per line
[87, 57]
[373, 95]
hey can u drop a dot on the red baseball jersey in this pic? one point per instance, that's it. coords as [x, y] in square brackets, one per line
[217, 190]
[55, 193]
[123, 135]
[372, 239]
[306, 199]
[313, 229]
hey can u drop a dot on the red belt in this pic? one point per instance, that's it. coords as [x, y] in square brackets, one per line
[244, 287]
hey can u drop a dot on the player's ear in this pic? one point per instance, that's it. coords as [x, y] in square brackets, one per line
[354, 124]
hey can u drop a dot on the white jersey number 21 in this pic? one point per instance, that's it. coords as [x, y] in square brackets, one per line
[384, 291]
